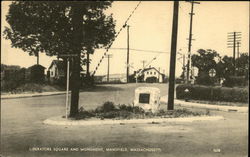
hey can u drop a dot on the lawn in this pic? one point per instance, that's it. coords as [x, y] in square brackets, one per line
[117, 93]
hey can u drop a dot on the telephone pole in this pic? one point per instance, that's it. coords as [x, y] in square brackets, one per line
[190, 38]
[108, 56]
[143, 63]
[238, 50]
[128, 53]
[37, 58]
[233, 39]
[183, 66]
[173, 57]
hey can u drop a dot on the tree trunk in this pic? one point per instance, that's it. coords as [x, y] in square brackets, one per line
[76, 46]
[87, 74]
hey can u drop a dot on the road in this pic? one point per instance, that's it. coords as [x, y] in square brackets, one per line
[23, 132]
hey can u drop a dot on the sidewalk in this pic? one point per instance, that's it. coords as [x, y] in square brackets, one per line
[26, 95]
[206, 106]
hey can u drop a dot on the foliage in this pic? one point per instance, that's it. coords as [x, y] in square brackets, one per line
[131, 112]
[232, 81]
[198, 92]
[224, 66]
[45, 26]
[204, 61]
[11, 77]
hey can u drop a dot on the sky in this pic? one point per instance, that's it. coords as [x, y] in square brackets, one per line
[150, 29]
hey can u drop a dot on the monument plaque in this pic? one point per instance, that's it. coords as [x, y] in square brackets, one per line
[147, 98]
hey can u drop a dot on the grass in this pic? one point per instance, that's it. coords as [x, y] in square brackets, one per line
[110, 111]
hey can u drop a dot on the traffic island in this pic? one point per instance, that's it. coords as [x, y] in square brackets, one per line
[109, 113]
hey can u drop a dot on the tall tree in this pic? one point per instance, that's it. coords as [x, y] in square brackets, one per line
[204, 61]
[61, 27]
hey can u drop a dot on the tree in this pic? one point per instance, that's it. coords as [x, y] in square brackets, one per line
[242, 64]
[204, 61]
[61, 27]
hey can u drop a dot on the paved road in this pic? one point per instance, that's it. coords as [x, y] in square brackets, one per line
[22, 130]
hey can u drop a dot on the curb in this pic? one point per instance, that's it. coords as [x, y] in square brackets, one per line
[62, 121]
[214, 107]
[31, 95]
[207, 106]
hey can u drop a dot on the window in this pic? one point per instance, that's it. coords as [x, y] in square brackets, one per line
[150, 73]
[144, 98]
[147, 72]
[155, 73]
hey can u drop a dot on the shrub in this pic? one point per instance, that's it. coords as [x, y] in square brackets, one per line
[83, 114]
[232, 81]
[106, 107]
[198, 92]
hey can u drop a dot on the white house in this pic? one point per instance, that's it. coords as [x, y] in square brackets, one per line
[151, 75]
[56, 70]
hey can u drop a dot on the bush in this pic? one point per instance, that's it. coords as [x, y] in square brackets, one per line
[106, 107]
[128, 112]
[233, 81]
[198, 92]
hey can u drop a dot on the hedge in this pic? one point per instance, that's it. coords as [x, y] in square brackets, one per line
[199, 92]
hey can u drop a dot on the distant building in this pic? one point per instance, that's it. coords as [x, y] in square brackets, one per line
[35, 74]
[115, 78]
[56, 71]
[99, 79]
[151, 75]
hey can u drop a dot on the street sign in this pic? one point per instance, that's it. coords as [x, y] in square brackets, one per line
[212, 72]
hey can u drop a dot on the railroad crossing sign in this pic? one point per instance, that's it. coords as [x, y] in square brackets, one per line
[212, 72]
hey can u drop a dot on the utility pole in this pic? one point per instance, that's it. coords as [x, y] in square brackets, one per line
[76, 46]
[37, 58]
[233, 39]
[238, 50]
[128, 53]
[143, 63]
[173, 57]
[108, 56]
[183, 66]
[87, 66]
[190, 38]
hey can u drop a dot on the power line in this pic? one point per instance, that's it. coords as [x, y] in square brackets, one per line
[152, 51]
[107, 48]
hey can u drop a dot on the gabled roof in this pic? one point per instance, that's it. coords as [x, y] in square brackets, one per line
[58, 63]
[146, 69]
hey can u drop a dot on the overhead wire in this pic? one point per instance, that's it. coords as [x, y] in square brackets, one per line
[108, 47]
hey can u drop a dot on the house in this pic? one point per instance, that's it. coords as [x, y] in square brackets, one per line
[35, 74]
[150, 75]
[56, 71]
